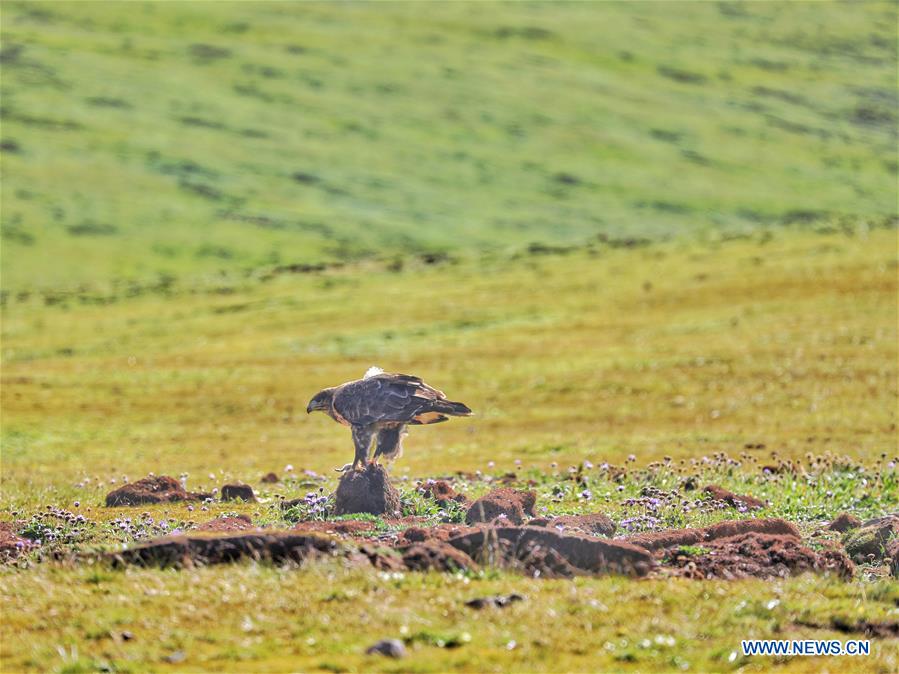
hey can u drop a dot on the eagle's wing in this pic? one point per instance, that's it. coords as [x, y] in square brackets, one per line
[391, 398]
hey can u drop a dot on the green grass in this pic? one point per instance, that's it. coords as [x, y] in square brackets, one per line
[788, 343]
[179, 139]
[261, 619]
[665, 230]
[769, 348]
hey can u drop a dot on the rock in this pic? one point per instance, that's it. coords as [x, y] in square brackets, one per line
[735, 500]
[270, 478]
[893, 551]
[660, 540]
[237, 523]
[871, 538]
[442, 493]
[585, 553]
[154, 489]
[11, 544]
[510, 503]
[499, 601]
[243, 492]
[367, 491]
[188, 550]
[437, 555]
[595, 524]
[756, 555]
[391, 648]
[844, 522]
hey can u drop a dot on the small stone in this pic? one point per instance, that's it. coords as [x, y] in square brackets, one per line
[175, 658]
[391, 648]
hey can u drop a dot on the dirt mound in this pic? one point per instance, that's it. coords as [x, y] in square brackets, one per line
[442, 532]
[345, 527]
[442, 493]
[233, 492]
[275, 546]
[11, 544]
[269, 478]
[756, 555]
[675, 537]
[437, 556]
[585, 553]
[153, 489]
[237, 523]
[735, 500]
[595, 524]
[367, 491]
[511, 503]
[870, 540]
[844, 522]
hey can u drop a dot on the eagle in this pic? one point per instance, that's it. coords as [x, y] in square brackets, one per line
[382, 404]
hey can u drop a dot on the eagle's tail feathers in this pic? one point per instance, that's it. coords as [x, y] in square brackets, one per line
[453, 408]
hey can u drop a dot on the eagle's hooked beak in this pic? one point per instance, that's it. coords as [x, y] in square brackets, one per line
[314, 405]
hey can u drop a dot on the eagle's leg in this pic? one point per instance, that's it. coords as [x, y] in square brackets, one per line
[362, 437]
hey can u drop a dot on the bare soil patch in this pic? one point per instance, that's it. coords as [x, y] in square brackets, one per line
[343, 527]
[757, 555]
[443, 493]
[237, 523]
[732, 499]
[11, 544]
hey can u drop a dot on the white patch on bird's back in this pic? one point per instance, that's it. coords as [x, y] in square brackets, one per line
[373, 371]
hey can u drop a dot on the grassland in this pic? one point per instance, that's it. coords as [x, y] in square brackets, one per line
[773, 345]
[644, 234]
[671, 349]
[160, 140]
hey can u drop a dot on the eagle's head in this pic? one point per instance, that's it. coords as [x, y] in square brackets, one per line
[321, 401]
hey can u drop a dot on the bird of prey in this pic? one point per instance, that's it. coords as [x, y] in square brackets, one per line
[382, 404]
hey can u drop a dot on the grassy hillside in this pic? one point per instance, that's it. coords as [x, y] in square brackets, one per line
[176, 139]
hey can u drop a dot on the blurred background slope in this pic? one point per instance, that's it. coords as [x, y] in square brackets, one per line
[154, 140]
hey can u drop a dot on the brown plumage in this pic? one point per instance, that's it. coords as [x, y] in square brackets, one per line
[382, 404]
